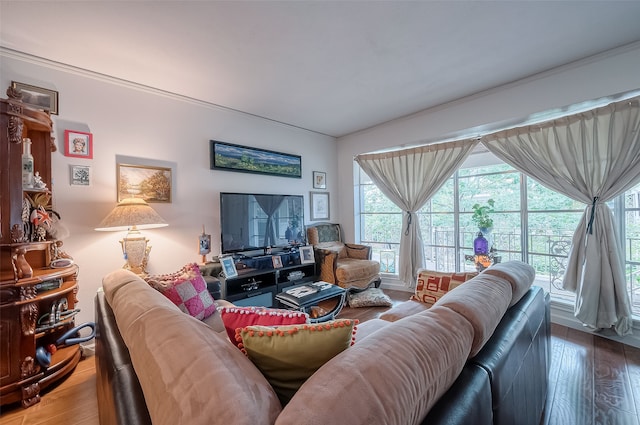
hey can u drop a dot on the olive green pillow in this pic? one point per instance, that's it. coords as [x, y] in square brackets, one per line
[288, 355]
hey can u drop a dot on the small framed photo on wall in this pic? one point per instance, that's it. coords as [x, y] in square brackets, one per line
[80, 175]
[319, 180]
[319, 205]
[78, 144]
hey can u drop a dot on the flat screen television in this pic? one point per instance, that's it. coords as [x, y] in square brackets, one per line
[252, 221]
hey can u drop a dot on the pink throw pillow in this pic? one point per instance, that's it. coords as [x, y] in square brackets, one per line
[187, 289]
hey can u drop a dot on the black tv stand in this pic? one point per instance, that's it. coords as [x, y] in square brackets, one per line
[258, 287]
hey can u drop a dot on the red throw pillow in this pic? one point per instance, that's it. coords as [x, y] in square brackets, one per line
[240, 317]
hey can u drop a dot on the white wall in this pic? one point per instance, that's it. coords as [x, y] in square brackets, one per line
[138, 124]
[600, 76]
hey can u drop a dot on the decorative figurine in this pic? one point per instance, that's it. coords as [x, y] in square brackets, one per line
[38, 183]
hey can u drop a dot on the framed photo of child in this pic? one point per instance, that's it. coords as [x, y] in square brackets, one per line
[204, 244]
[228, 267]
[319, 180]
[78, 144]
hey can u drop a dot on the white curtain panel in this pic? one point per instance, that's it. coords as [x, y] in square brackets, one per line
[590, 157]
[409, 178]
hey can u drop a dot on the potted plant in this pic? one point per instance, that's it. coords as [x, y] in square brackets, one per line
[481, 215]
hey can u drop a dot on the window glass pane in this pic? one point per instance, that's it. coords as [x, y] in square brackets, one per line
[632, 198]
[554, 223]
[483, 170]
[632, 241]
[382, 228]
[539, 198]
[438, 237]
[503, 188]
[506, 234]
[442, 200]
[437, 229]
[376, 201]
[364, 178]
[632, 246]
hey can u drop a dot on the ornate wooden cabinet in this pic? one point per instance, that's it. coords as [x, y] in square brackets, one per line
[37, 301]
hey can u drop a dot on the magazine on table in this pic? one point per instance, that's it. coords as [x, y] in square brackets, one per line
[308, 289]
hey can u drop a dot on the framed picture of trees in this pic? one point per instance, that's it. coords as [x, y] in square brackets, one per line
[153, 184]
[245, 159]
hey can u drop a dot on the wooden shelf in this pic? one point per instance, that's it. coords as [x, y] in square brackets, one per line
[25, 260]
[63, 362]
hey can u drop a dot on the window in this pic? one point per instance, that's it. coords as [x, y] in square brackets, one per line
[530, 222]
[380, 220]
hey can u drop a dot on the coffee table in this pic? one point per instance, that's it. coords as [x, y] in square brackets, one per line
[303, 296]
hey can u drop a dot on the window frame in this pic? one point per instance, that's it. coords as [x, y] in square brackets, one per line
[619, 207]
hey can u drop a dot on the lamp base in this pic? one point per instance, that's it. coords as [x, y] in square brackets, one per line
[136, 252]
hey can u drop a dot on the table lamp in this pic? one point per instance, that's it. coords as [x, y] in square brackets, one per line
[133, 214]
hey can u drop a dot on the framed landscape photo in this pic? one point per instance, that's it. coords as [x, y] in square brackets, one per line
[319, 205]
[244, 159]
[153, 184]
[80, 175]
[319, 180]
[78, 144]
[38, 97]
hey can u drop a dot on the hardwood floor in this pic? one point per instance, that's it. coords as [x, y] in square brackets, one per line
[592, 381]
[70, 402]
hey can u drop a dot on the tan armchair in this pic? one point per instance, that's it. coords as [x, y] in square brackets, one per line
[346, 265]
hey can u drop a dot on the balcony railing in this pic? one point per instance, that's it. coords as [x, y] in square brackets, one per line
[548, 254]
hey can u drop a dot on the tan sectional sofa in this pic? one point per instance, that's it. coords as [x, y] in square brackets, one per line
[158, 365]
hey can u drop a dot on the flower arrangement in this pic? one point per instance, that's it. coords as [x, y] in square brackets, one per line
[481, 214]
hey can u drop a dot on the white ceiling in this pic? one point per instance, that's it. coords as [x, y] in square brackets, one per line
[333, 67]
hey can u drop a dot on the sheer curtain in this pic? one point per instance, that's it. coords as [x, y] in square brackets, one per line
[409, 178]
[590, 157]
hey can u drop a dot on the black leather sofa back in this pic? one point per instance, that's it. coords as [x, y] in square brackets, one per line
[516, 359]
[120, 397]
[506, 383]
[467, 402]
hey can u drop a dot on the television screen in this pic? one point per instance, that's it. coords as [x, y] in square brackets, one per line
[250, 221]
